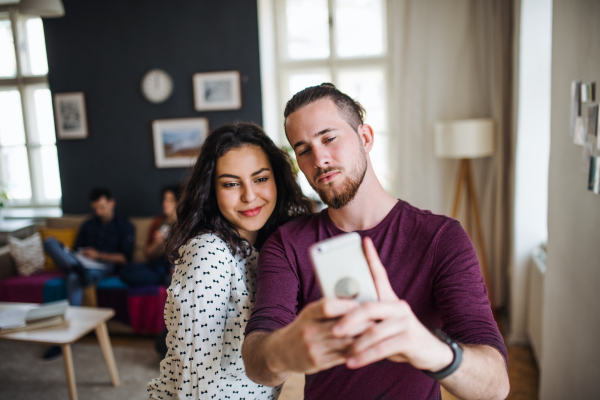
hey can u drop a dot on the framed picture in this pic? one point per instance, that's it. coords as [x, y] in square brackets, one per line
[217, 91]
[69, 111]
[177, 141]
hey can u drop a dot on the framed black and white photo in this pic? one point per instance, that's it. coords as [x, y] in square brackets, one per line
[177, 141]
[215, 91]
[69, 111]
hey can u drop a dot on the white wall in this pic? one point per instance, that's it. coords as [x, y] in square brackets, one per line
[532, 151]
[571, 329]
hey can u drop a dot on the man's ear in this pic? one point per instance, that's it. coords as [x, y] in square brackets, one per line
[367, 136]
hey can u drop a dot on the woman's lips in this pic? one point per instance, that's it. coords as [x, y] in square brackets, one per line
[251, 212]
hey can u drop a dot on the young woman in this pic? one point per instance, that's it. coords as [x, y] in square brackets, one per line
[240, 190]
[156, 269]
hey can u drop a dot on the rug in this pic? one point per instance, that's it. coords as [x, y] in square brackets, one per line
[25, 375]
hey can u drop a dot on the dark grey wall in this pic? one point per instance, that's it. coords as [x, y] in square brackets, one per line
[104, 47]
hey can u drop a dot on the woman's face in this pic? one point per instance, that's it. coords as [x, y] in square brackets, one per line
[169, 204]
[245, 189]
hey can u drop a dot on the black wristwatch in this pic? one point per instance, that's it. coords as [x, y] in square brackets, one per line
[456, 349]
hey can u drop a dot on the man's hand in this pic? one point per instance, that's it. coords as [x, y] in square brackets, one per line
[90, 252]
[114, 258]
[307, 345]
[395, 332]
[159, 237]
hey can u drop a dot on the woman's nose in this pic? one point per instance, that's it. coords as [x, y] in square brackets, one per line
[248, 194]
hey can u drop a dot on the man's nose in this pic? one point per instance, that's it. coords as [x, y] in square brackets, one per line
[248, 194]
[321, 158]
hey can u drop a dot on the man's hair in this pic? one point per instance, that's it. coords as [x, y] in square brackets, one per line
[350, 109]
[99, 192]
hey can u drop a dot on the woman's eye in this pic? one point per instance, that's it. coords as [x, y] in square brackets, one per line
[330, 139]
[229, 184]
[263, 179]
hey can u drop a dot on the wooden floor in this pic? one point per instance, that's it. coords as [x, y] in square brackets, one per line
[523, 371]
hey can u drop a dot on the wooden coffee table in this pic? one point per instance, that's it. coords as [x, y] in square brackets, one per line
[80, 322]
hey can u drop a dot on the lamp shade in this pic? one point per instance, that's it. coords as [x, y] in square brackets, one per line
[42, 8]
[465, 138]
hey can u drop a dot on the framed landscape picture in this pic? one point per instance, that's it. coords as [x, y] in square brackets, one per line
[215, 91]
[70, 118]
[177, 141]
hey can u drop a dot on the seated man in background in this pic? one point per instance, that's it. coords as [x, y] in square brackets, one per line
[103, 243]
[156, 270]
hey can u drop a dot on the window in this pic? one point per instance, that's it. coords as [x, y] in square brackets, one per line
[308, 42]
[28, 158]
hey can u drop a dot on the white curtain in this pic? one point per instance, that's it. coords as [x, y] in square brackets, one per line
[452, 60]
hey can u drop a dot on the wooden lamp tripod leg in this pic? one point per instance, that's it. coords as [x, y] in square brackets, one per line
[462, 172]
[483, 258]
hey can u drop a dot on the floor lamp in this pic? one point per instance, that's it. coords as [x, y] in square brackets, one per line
[464, 140]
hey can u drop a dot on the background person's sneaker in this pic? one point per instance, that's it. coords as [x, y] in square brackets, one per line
[52, 352]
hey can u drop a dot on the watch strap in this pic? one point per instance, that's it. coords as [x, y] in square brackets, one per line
[458, 353]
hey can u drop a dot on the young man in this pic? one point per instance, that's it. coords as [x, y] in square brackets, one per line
[428, 279]
[105, 241]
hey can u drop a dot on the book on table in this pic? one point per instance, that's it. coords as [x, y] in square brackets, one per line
[21, 318]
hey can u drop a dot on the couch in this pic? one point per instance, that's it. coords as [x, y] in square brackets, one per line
[139, 308]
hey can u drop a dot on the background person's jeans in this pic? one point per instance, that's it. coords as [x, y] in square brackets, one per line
[77, 276]
[142, 274]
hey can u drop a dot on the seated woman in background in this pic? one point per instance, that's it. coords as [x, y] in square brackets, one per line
[157, 269]
[241, 189]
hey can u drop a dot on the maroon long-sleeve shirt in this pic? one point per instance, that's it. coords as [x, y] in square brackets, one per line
[431, 264]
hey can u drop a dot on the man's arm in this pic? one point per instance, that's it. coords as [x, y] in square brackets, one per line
[398, 335]
[102, 256]
[307, 345]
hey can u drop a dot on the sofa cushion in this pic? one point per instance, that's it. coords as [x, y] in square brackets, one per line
[142, 228]
[28, 254]
[146, 308]
[66, 236]
[55, 289]
[26, 289]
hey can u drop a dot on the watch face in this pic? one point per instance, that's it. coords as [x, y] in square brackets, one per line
[157, 86]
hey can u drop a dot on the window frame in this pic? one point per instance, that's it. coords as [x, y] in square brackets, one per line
[276, 67]
[22, 82]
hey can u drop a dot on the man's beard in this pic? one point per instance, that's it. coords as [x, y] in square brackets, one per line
[341, 195]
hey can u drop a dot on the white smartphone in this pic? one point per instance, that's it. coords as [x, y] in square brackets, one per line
[342, 269]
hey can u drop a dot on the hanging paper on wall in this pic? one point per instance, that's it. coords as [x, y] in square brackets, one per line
[575, 105]
[580, 131]
[588, 153]
[597, 134]
[588, 92]
[592, 119]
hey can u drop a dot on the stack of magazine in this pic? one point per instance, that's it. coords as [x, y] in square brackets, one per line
[20, 318]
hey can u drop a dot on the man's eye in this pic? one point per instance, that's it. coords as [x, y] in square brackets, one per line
[303, 152]
[330, 139]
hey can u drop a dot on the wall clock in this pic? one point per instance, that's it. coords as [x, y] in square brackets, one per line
[157, 86]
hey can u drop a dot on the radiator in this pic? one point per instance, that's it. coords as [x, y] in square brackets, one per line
[537, 271]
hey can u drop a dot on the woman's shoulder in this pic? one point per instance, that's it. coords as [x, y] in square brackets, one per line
[208, 242]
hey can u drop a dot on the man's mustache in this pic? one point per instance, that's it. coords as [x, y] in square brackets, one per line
[321, 172]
